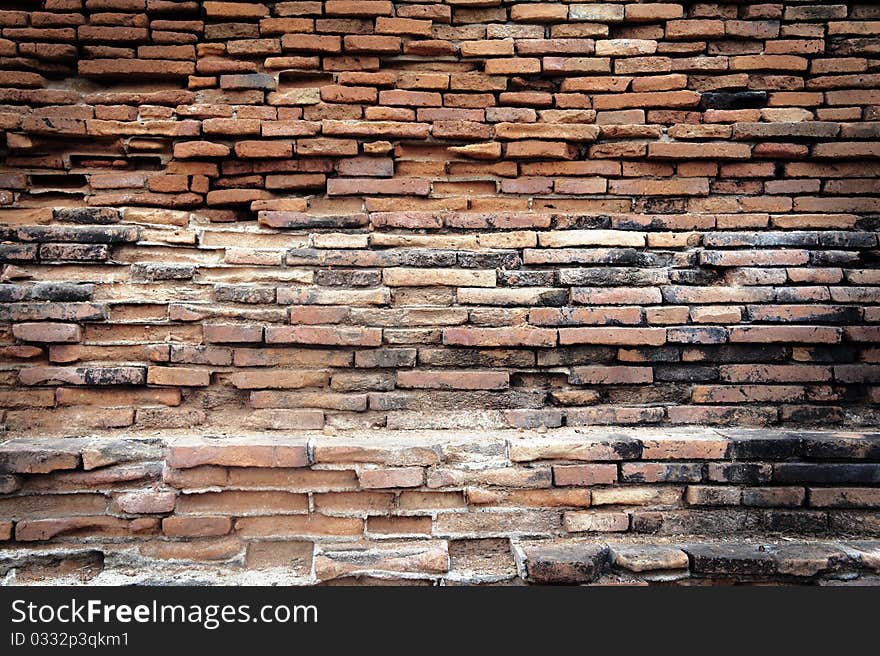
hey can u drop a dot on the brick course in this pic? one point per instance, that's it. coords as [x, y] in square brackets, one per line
[622, 211]
[401, 505]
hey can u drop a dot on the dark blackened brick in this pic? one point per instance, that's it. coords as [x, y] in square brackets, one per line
[13, 293]
[697, 335]
[661, 472]
[612, 276]
[651, 354]
[87, 215]
[576, 355]
[733, 99]
[839, 239]
[693, 521]
[82, 235]
[156, 272]
[812, 414]
[822, 446]
[18, 252]
[350, 278]
[564, 563]
[518, 278]
[736, 353]
[62, 291]
[53, 312]
[795, 521]
[685, 373]
[694, 276]
[244, 294]
[762, 445]
[580, 221]
[494, 260]
[74, 252]
[829, 353]
[831, 473]
[749, 473]
[833, 258]
[731, 559]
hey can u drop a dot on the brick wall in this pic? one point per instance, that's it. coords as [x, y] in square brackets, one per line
[449, 507]
[474, 213]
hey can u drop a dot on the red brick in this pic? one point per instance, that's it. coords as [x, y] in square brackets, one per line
[235, 10]
[453, 380]
[395, 186]
[585, 214]
[196, 527]
[409, 26]
[654, 99]
[595, 474]
[653, 11]
[684, 448]
[95, 526]
[539, 150]
[121, 68]
[399, 525]
[278, 379]
[190, 149]
[178, 376]
[642, 187]
[311, 43]
[47, 332]
[768, 62]
[847, 150]
[232, 333]
[343, 94]
[538, 13]
[619, 336]
[146, 502]
[694, 29]
[610, 375]
[358, 8]
[786, 334]
[392, 478]
[242, 452]
[237, 503]
[669, 150]
[388, 45]
[324, 335]
[198, 550]
[263, 149]
[376, 128]
[499, 337]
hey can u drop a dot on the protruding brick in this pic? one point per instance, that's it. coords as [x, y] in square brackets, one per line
[47, 332]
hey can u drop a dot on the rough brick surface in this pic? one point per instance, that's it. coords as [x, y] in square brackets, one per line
[543, 505]
[333, 215]
[663, 212]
